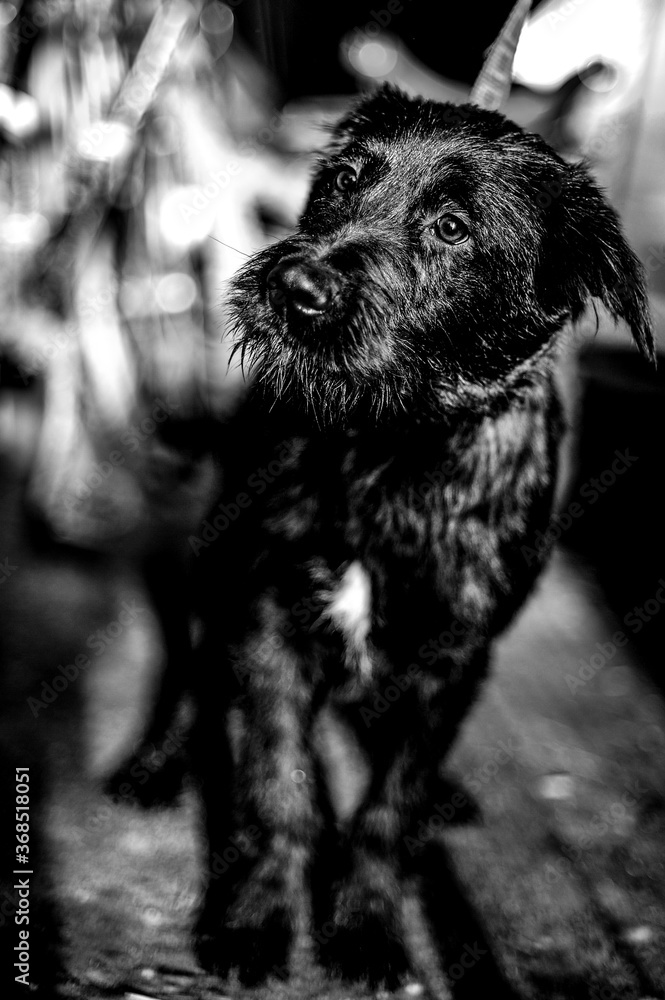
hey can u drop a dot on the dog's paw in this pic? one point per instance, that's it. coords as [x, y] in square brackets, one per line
[247, 927]
[256, 953]
[361, 939]
[368, 950]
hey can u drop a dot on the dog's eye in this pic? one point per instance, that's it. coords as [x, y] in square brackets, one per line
[345, 179]
[450, 229]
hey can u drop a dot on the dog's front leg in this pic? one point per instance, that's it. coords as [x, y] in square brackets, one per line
[365, 910]
[405, 744]
[253, 909]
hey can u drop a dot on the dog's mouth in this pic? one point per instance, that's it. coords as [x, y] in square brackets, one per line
[302, 288]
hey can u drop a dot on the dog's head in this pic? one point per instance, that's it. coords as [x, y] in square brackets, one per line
[441, 250]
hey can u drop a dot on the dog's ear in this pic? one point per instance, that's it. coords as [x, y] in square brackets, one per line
[592, 257]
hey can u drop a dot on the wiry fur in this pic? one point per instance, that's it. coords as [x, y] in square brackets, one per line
[409, 430]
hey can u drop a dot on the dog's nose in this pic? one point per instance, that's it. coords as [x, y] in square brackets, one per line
[298, 284]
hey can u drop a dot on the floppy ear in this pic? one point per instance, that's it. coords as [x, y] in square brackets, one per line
[592, 257]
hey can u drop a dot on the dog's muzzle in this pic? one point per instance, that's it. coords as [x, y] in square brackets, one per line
[302, 286]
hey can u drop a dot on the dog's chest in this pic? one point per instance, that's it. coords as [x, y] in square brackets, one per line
[347, 608]
[361, 536]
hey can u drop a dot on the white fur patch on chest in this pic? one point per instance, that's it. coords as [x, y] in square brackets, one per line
[349, 609]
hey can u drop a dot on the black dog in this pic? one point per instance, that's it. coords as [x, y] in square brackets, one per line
[397, 450]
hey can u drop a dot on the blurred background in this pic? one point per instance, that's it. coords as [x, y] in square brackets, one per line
[146, 148]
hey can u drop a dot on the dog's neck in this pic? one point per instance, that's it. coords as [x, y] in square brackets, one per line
[438, 406]
[516, 388]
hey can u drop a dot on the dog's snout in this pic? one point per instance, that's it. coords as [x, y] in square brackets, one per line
[303, 286]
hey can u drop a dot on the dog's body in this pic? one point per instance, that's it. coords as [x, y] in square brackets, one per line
[396, 452]
[345, 580]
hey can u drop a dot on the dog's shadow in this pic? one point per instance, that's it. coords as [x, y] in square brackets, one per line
[458, 955]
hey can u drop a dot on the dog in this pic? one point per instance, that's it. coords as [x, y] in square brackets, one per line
[396, 450]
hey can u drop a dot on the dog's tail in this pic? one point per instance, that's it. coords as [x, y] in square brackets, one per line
[493, 83]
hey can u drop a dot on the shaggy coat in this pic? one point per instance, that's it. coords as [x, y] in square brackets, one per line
[397, 450]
